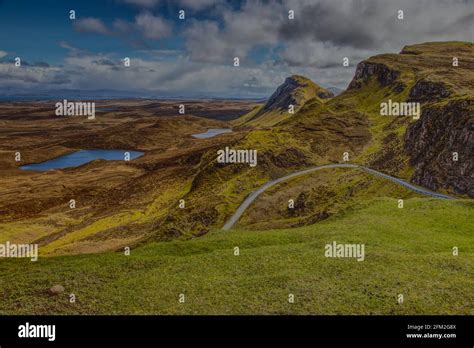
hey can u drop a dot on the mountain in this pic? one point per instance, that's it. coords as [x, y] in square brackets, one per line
[424, 73]
[420, 150]
[293, 93]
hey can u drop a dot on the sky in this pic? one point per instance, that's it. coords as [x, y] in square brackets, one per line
[194, 56]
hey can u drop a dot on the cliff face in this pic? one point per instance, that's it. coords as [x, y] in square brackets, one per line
[446, 125]
[366, 70]
[282, 97]
[428, 91]
[425, 74]
[296, 90]
[432, 141]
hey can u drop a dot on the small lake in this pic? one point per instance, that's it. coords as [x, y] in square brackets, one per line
[212, 132]
[81, 157]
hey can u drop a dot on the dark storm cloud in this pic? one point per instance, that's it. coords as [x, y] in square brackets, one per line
[325, 21]
[365, 24]
[350, 27]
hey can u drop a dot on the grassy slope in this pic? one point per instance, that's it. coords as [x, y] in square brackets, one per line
[407, 251]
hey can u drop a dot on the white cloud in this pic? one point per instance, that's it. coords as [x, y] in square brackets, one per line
[91, 25]
[146, 24]
[153, 27]
[27, 76]
[3, 54]
[89, 71]
[255, 25]
[309, 53]
[324, 32]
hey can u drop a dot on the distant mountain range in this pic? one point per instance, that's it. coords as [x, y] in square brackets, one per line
[6, 95]
[9, 95]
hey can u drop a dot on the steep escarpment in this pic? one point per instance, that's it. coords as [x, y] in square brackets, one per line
[441, 147]
[441, 143]
[367, 70]
[440, 77]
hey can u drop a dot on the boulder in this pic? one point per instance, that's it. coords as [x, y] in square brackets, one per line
[56, 289]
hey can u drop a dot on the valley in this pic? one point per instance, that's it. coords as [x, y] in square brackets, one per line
[35, 204]
[402, 186]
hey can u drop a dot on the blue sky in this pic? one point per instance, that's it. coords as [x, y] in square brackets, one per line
[39, 26]
[195, 56]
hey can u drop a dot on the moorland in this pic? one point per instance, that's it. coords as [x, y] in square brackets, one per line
[169, 205]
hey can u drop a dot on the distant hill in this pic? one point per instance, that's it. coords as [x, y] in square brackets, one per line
[294, 92]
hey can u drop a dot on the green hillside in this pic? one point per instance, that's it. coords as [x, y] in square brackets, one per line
[407, 251]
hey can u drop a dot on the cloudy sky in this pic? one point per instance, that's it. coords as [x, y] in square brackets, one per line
[195, 56]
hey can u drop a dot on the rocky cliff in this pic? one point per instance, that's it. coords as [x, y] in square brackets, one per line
[426, 74]
[367, 70]
[441, 147]
[295, 91]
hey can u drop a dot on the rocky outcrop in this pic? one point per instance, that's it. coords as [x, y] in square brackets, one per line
[367, 69]
[294, 91]
[302, 205]
[325, 94]
[432, 141]
[425, 90]
[282, 97]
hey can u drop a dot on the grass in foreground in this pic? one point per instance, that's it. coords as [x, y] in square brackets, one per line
[408, 251]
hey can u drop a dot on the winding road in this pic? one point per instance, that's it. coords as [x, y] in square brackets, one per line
[253, 195]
